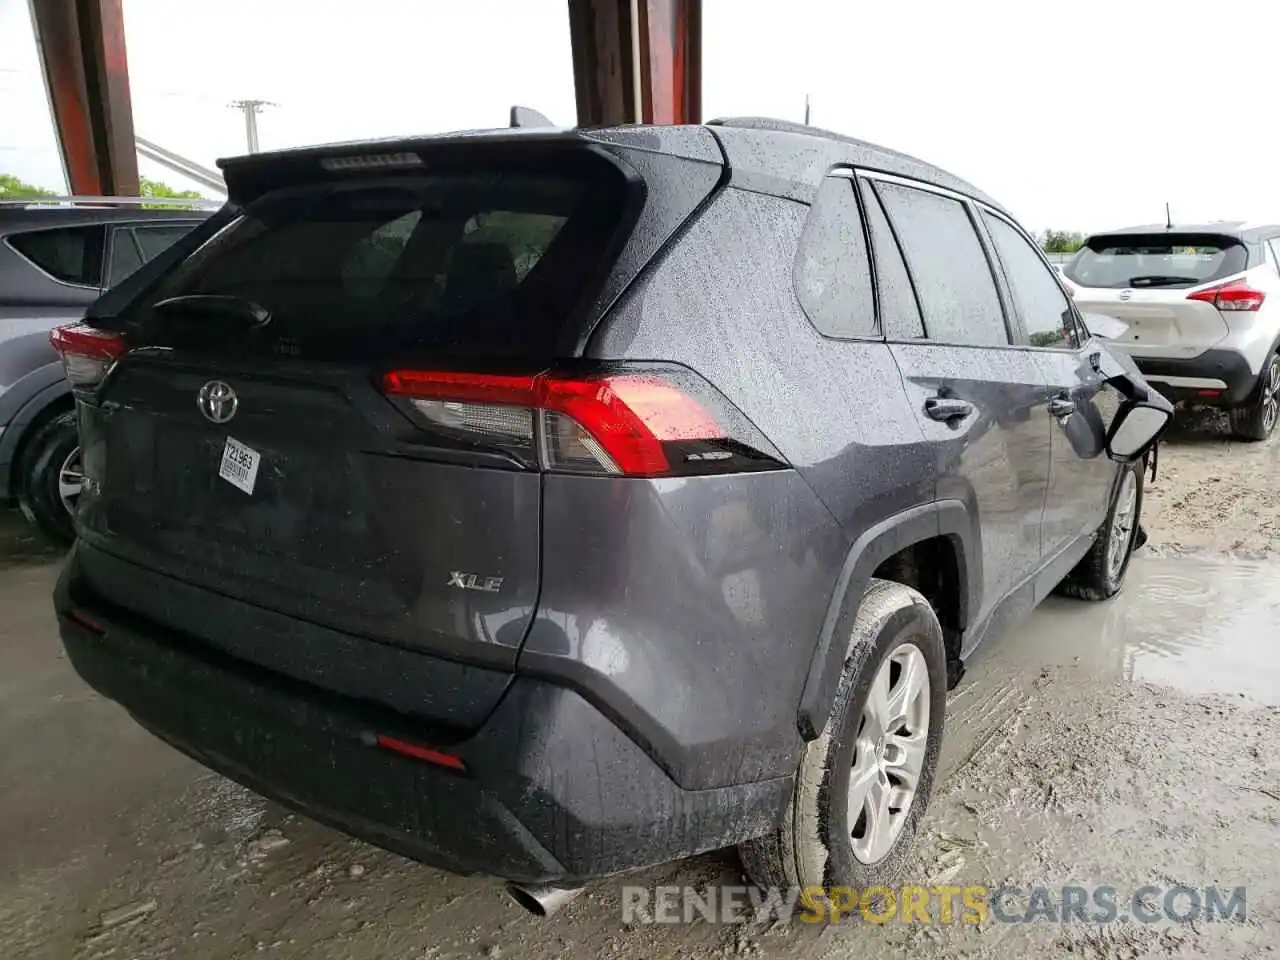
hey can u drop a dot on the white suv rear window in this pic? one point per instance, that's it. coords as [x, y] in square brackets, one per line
[1160, 260]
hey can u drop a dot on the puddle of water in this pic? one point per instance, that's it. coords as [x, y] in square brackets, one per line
[1200, 625]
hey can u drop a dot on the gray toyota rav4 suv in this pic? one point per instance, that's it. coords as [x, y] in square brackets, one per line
[547, 504]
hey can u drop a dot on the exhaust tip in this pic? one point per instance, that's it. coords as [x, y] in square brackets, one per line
[541, 901]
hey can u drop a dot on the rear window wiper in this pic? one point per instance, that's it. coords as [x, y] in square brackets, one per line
[216, 306]
[1161, 281]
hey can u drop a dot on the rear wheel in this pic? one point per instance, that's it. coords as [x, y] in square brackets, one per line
[864, 783]
[1100, 574]
[1257, 420]
[50, 478]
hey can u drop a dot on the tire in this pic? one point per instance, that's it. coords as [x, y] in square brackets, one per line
[1257, 420]
[816, 845]
[1101, 573]
[40, 469]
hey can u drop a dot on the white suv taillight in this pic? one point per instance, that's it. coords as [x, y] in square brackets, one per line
[1234, 295]
[87, 354]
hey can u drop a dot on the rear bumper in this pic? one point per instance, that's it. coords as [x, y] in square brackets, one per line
[1187, 379]
[553, 790]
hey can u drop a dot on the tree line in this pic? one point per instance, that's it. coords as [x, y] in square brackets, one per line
[12, 188]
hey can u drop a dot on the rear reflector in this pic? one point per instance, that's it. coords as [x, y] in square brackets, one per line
[86, 621]
[87, 354]
[1208, 393]
[419, 752]
[1234, 295]
[618, 423]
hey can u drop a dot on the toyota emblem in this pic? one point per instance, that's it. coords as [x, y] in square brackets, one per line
[217, 401]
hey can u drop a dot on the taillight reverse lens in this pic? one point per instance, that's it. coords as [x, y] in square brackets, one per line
[1234, 295]
[87, 354]
[621, 424]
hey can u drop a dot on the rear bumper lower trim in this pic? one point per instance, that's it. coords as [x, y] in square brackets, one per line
[1180, 379]
[1202, 383]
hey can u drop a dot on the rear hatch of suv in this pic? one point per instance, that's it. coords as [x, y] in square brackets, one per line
[277, 420]
[1170, 289]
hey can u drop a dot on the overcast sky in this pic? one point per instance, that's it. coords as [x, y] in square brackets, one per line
[1081, 115]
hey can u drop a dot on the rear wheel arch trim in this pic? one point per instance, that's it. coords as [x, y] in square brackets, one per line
[943, 518]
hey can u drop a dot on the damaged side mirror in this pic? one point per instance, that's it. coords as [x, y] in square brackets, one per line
[1136, 428]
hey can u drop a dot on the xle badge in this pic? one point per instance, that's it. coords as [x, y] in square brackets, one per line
[470, 581]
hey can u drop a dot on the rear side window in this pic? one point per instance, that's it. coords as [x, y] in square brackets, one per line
[899, 311]
[948, 264]
[124, 258]
[69, 254]
[153, 240]
[1156, 260]
[461, 264]
[134, 245]
[832, 273]
[1045, 310]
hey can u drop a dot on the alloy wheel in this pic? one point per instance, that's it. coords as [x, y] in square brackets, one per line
[1122, 522]
[893, 735]
[70, 481]
[1271, 397]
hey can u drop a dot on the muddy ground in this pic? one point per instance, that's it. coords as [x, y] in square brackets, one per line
[1130, 743]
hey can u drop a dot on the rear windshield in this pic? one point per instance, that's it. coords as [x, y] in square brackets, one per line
[490, 263]
[1160, 260]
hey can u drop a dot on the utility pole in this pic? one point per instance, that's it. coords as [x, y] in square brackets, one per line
[251, 110]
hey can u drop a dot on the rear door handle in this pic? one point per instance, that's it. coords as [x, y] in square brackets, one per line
[1062, 407]
[947, 409]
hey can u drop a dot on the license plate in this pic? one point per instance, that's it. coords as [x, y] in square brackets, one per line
[239, 465]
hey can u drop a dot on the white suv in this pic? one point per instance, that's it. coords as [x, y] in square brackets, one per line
[1202, 309]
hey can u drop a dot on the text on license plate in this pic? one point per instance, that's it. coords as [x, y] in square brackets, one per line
[239, 465]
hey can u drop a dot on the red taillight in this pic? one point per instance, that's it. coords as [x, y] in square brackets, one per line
[618, 423]
[419, 752]
[629, 416]
[1234, 295]
[87, 354]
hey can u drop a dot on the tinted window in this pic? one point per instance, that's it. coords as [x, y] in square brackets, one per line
[948, 264]
[832, 274]
[153, 240]
[71, 254]
[492, 263]
[125, 255]
[899, 311]
[1157, 260]
[1044, 308]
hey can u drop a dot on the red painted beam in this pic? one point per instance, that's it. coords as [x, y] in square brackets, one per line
[86, 69]
[671, 60]
[637, 60]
